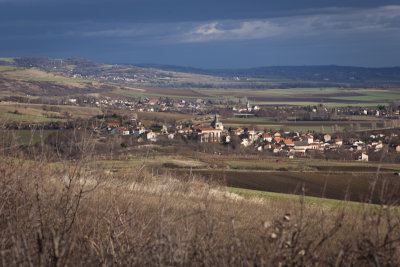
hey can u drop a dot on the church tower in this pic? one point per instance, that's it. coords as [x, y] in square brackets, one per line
[216, 124]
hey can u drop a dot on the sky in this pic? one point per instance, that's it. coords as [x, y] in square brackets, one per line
[206, 34]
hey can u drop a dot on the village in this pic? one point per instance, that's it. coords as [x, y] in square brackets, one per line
[281, 143]
[240, 106]
[204, 125]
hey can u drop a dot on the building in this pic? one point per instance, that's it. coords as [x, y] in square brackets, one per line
[210, 135]
[327, 138]
[216, 124]
[123, 131]
[363, 157]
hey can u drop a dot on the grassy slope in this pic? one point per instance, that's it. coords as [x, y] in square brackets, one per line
[314, 201]
[35, 112]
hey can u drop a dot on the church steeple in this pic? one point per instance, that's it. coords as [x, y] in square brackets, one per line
[215, 118]
[216, 124]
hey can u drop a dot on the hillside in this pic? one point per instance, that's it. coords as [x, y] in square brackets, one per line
[82, 68]
[76, 77]
[34, 82]
[80, 213]
[346, 74]
[103, 165]
[175, 76]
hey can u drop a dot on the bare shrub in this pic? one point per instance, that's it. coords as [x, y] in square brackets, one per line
[81, 213]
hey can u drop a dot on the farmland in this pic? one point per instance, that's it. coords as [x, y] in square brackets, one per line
[123, 93]
[331, 97]
[121, 160]
[306, 126]
[43, 80]
[330, 179]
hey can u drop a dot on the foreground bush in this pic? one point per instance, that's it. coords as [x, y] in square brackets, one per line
[78, 214]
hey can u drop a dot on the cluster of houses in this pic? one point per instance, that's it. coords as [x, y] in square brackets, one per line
[278, 142]
[246, 109]
[144, 105]
[139, 131]
[130, 78]
[291, 143]
[377, 111]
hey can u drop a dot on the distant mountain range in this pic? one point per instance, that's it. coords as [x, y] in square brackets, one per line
[311, 73]
[279, 75]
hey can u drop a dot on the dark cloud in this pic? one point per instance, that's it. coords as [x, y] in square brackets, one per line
[204, 33]
[163, 10]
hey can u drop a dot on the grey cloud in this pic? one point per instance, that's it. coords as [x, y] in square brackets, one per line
[328, 22]
[344, 22]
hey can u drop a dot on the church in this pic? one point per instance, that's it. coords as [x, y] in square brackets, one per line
[212, 134]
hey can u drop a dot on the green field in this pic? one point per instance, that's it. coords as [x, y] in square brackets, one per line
[250, 120]
[148, 93]
[309, 96]
[331, 203]
[369, 95]
[366, 97]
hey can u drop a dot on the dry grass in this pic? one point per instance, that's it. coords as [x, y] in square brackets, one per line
[36, 112]
[39, 75]
[80, 213]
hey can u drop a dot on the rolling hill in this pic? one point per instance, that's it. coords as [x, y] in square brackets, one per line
[185, 77]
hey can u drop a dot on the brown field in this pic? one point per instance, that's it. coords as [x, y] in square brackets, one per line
[331, 179]
[351, 185]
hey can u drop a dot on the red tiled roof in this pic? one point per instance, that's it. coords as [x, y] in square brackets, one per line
[288, 142]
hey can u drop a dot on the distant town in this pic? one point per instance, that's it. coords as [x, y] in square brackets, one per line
[278, 142]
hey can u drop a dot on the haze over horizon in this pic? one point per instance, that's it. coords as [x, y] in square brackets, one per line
[225, 34]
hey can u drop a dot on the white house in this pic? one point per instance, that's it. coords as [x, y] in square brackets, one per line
[327, 138]
[363, 157]
[151, 136]
[123, 131]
